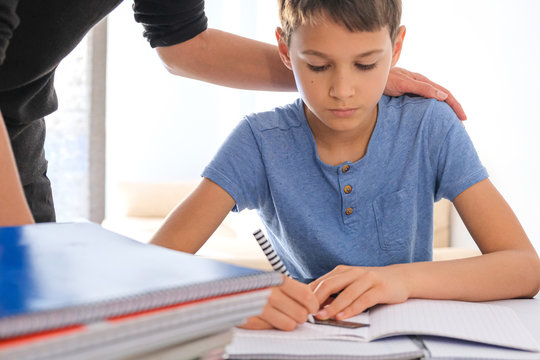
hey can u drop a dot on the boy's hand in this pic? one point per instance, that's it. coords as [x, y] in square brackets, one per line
[361, 288]
[401, 81]
[288, 305]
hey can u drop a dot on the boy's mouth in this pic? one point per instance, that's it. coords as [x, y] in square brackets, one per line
[343, 112]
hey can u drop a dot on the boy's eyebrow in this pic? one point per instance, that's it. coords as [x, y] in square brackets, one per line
[323, 55]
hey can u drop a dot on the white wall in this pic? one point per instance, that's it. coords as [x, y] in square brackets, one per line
[165, 128]
[66, 144]
[487, 53]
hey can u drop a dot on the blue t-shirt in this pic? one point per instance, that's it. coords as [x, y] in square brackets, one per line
[373, 212]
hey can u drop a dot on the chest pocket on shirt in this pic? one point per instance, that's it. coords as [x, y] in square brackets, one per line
[395, 215]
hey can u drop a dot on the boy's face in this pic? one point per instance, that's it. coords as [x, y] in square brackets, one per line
[340, 74]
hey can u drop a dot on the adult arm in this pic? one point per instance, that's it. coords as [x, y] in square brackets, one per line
[178, 29]
[229, 60]
[14, 209]
[509, 267]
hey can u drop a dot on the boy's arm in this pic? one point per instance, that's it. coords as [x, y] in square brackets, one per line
[230, 60]
[14, 209]
[193, 221]
[508, 268]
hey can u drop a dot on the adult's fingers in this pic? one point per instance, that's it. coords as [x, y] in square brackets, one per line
[436, 91]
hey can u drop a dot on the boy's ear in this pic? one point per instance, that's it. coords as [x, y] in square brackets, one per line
[398, 44]
[283, 48]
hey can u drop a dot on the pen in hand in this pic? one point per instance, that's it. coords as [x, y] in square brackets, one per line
[279, 266]
[274, 259]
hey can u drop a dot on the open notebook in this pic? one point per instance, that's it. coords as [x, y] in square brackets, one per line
[472, 322]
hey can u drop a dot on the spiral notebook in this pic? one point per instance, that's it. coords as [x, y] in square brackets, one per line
[58, 275]
[139, 334]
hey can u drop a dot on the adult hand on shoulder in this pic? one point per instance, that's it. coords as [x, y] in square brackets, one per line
[361, 288]
[401, 81]
[288, 305]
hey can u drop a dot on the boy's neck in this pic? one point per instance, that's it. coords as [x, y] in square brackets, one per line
[335, 147]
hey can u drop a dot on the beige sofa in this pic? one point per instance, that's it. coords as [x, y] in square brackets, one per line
[141, 208]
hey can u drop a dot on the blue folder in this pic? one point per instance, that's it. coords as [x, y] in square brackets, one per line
[56, 275]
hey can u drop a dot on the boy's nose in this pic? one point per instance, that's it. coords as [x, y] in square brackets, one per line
[342, 87]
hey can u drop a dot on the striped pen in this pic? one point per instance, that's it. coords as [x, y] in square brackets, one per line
[270, 253]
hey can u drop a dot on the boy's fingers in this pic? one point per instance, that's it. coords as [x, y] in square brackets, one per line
[301, 293]
[347, 297]
[315, 283]
[278, 319]
[332, 285]
[337, 270]
[256, 323]
[365, 301]
[288, 306]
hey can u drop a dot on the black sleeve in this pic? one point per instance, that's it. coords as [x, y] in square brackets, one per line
[170, 22]
[8, 22]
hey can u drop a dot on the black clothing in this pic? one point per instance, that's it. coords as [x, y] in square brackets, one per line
[8, 21]
[170, 22]
[35, 36]
[47, 32]
[27, 143]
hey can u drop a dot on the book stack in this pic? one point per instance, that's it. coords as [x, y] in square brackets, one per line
[79, 291]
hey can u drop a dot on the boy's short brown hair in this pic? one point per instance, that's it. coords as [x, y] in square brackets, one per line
[355, 15]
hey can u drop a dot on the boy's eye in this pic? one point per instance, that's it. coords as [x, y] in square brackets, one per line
[365, 67]
[317, 68]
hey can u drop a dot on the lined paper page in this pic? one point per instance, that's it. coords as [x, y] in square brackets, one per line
[444, 348]
[244, 347]
[485, 323]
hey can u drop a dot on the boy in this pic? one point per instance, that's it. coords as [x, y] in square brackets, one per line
[345, 178]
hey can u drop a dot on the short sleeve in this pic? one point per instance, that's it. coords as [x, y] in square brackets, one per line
[8, 22]
[170, 22]
[457, 165]
[238, 168]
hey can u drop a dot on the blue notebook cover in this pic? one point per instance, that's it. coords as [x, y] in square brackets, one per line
[56, 275]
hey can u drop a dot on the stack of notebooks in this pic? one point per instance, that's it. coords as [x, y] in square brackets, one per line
[79, 291]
